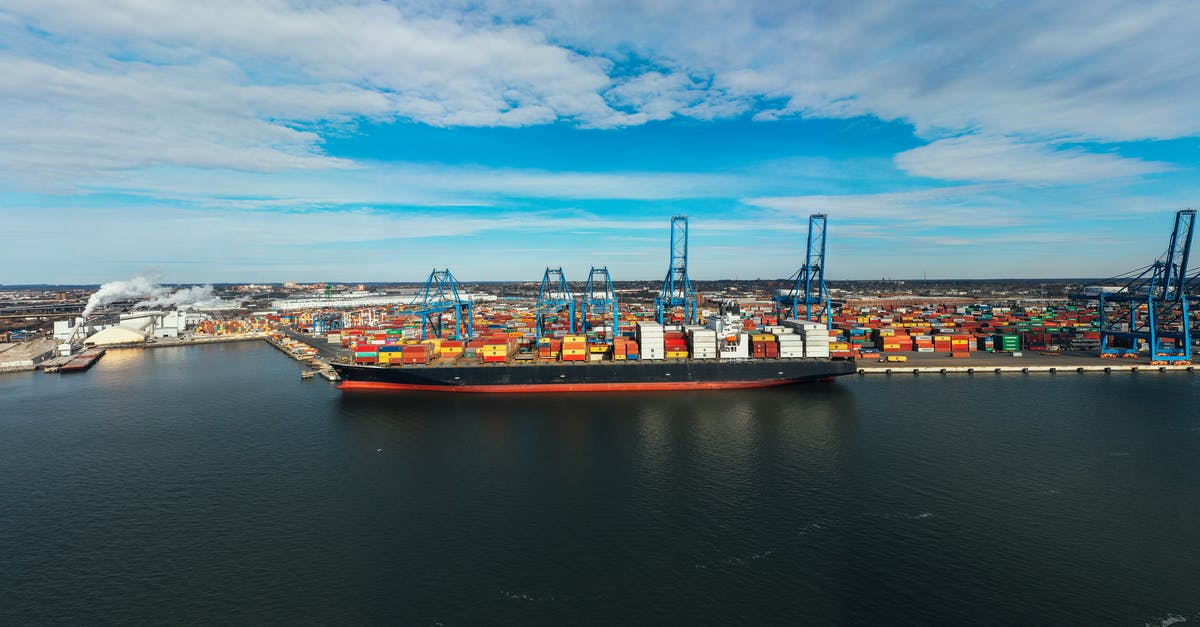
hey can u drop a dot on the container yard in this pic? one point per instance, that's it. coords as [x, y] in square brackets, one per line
[859, 333]
[1133, 323]
[439, 329]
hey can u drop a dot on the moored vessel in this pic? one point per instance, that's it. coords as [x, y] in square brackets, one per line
[83, 361]
[684, 374]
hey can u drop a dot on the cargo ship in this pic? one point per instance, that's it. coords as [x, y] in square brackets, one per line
[601, 376]
[688, 359]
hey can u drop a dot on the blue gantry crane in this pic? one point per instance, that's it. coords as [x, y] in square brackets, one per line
[553, 297]
[807, 285]
[1151, 304]
[677, 287]
[327, 323]
[600, 299]
[438, 296]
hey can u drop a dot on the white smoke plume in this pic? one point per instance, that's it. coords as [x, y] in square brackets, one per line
[196, 296]
[145, 287]
[137, 287]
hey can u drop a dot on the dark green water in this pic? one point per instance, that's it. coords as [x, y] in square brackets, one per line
[210, 485]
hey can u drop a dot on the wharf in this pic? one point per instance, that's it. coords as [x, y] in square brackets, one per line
[1005, 363]
[325, 353]
[165, 342]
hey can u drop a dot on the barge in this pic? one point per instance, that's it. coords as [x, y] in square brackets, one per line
[83, 361]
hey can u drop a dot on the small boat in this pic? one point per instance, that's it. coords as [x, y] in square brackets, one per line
[307, 374]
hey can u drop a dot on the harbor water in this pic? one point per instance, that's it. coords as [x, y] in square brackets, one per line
[209, 484]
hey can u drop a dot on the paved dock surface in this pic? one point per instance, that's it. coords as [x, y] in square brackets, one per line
[981, 362]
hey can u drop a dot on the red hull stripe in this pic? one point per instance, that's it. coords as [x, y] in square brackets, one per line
[566, 387]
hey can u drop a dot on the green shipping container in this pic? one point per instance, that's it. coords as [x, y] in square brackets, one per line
[1007, 343]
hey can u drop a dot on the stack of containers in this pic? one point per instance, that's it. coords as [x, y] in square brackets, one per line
[791, 345]
[390, 353]
[961, 345]
[366, 354]
[650, 340]
[703, 342]
[451, 349]
[497, 348]
[548, 348]
[763, 346]
[815, 335]
[816, 341]
[574, 348]
[674, 345]
[624, 349]
[416, 353]
[896, 343]
[1008, 343]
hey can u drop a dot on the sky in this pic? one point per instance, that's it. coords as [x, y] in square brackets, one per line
[264, 140]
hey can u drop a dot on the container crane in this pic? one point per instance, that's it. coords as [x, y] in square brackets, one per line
[327, 323]
[677, 287]
[808, 283]
[600, 298]
[554, 296]
[1150, 304]
[438, 296]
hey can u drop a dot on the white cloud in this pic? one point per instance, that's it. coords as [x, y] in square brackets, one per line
[227, 82]
[102, 93]
[961, 206]
[250, 85]
[1106, 69]
[416, 184]
[987, 158]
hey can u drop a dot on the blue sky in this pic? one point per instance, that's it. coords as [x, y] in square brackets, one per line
[265, 140]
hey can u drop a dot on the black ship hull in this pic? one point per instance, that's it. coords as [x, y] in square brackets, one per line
[686, 374]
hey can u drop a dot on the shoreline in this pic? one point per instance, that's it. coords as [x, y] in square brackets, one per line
[916, 364]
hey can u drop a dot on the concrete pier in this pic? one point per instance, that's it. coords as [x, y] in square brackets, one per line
[1005, 363]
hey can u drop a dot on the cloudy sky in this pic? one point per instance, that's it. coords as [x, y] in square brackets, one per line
[270, 140]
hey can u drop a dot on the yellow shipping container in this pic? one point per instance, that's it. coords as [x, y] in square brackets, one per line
[574, 351]
[676, 354]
